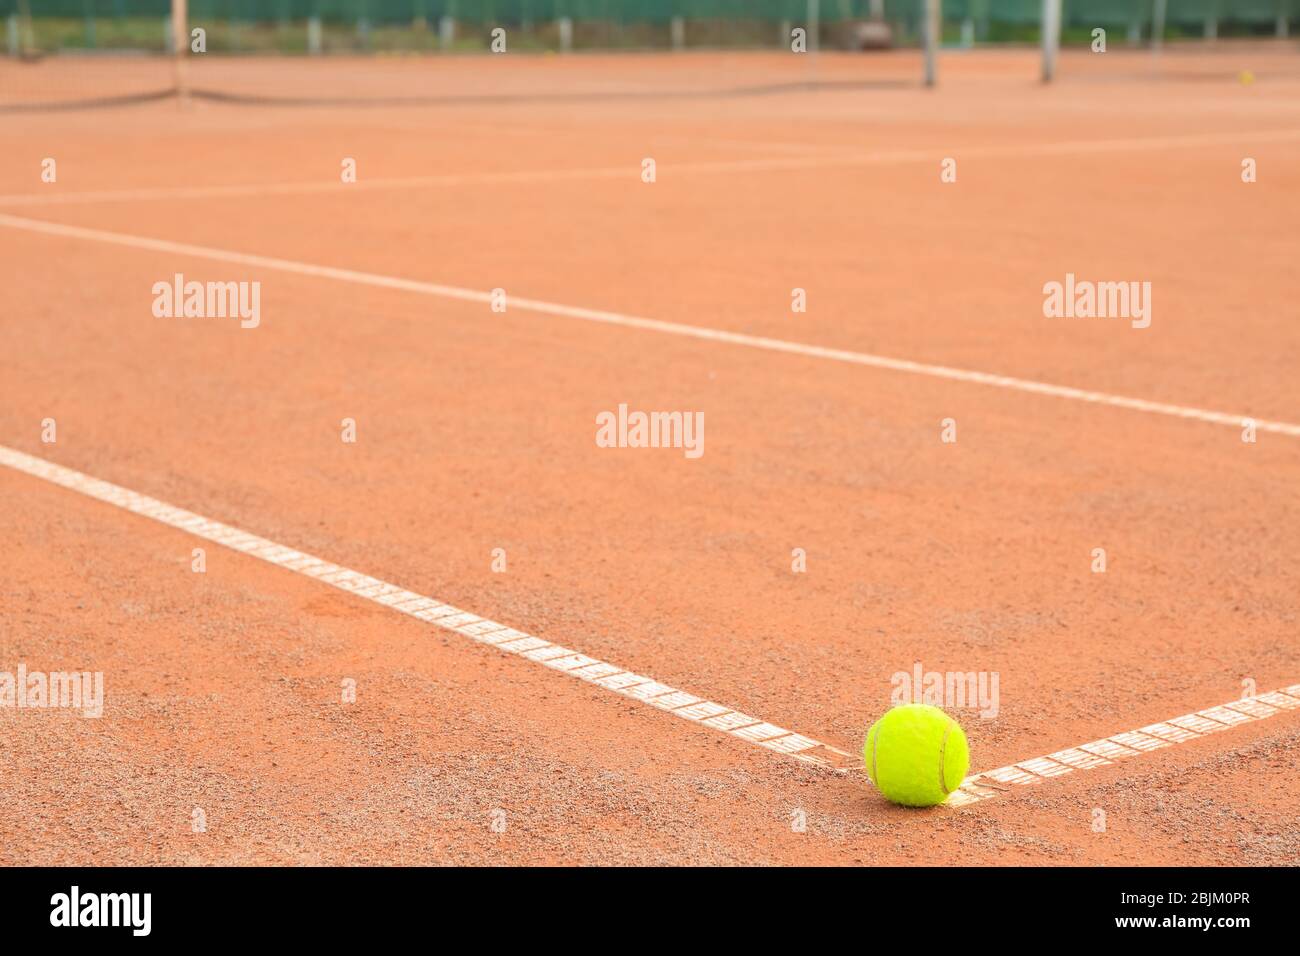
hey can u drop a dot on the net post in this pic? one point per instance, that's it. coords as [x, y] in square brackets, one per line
[1051, 31]
[22, 38]
[930, 37]
[1157, 25]
[180, 47]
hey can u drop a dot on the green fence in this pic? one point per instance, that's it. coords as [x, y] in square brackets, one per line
[1076, 12]
[371, 23]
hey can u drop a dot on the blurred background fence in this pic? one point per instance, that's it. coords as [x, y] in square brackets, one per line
[325, 26]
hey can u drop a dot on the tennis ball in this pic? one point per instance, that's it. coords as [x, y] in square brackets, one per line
[916, 755]
[1246, 77]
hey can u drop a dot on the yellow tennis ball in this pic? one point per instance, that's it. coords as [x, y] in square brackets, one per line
[1246, 77]
[916, 755]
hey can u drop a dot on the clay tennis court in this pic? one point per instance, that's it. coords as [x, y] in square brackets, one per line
[474, 431]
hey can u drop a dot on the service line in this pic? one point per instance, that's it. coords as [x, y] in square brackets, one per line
[652, 325]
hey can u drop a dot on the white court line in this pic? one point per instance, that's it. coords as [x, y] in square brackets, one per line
[613, 678]
[632, 171]
[619, 680]
[290, 189]
[653, 325]
[1131, 743]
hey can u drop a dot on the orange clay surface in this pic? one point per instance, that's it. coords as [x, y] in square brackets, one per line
[476, 431]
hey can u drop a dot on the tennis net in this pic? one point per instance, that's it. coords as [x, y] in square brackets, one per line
[78, 53]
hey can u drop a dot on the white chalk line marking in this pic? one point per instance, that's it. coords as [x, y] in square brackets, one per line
[619, 680]
[654, 325]
[1121, 746]
[611, 677]
[632, 171]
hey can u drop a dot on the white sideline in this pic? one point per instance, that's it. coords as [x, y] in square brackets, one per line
[1130, 743]
[653, 325]
[566, 660]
